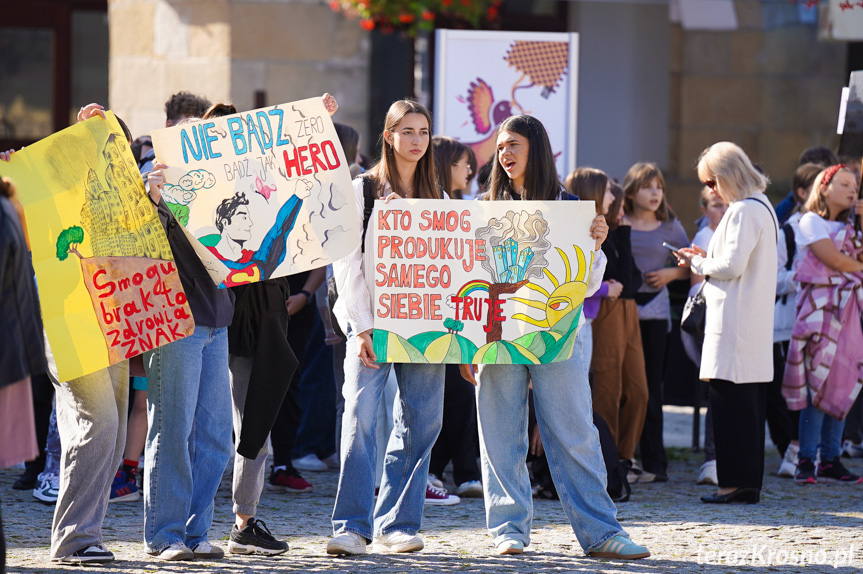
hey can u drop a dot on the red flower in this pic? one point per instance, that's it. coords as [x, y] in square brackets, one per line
[367, 24]
[406, 18]
[492, 13]
[446, 2]
[465, 2]
[427, 15]
[335, 6]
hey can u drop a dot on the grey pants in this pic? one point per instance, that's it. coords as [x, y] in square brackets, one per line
[249, 473]
[91, 418]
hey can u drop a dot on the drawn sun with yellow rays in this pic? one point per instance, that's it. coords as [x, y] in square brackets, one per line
[567, 295]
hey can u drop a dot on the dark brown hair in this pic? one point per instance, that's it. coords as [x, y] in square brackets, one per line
[540, 175]
[804, 177]
[425, 182]
[219, 110]
[818, 155]
[639, 177]
[447, 152]
[184, 105]
[614, 209]
[7, 188]
[350, 140]
[589, 184]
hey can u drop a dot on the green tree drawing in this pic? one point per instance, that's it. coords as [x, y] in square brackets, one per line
[68, 241]
[453, 326]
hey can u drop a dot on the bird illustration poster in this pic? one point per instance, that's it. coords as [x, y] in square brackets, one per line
[483, 77]
[474, 282]
[108, 285]
[264, 193]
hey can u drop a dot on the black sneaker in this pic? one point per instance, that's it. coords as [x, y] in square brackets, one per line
[835, 471]
[255, 538]
[28, 480]
[89, 555]
[805, 471]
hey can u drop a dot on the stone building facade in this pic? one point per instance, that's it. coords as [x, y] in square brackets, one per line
[248, 52]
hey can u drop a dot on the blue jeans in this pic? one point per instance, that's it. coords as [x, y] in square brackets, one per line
[565, 417]
[316, 434]
[818, 429]
[189, 436]
[418, 416]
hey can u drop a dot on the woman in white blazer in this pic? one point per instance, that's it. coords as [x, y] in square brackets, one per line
[737, 356]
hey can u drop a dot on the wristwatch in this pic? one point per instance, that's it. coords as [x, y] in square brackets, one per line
[307, 294]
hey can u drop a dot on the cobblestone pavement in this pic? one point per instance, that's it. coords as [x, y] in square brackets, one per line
[794, 529]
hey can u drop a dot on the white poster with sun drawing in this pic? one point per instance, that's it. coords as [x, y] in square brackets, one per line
[473, 282]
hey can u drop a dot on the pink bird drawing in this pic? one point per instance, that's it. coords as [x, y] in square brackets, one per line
[485, 114]
[264, 190]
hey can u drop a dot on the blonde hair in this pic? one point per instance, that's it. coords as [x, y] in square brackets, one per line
[816, 202]
[639, 177]
[728, 165]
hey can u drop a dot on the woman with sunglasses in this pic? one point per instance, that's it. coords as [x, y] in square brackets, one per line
[737, 354]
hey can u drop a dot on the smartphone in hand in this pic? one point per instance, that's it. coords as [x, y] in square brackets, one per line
[670, 247]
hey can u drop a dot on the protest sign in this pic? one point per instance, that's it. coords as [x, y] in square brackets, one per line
[479, 281]
[267, 192]
[108, 286]
[483, 77]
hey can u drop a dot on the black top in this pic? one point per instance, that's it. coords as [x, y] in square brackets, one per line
[621, 266]
[21, 352]
[211, 306]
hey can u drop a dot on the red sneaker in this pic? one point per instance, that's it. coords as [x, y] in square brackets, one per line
[439, 496]
[283, 481]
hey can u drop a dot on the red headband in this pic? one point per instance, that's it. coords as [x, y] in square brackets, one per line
[830, 172]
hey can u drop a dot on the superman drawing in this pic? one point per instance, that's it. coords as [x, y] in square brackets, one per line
[235, 228]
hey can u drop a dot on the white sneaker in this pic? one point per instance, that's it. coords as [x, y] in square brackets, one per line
[310, 462]
[510, 546]
[48, 489]
[435, 481]
[638, 474]
[397, 541]
[788, 468]
[469, 489]
[346, 543]
[206, 549]
[708, 473]
[852, 450]
[176, 551]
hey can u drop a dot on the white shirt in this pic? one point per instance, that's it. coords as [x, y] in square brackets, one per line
[814, 228]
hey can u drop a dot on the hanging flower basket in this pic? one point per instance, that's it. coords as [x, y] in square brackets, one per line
[412, 16]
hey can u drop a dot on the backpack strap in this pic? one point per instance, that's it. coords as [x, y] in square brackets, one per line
[368, 207]
[790, 245]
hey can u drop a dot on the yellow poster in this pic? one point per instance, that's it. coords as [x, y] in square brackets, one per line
[108, 286]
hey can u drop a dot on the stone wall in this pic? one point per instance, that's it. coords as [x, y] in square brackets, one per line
[771, 86]
[227, 50]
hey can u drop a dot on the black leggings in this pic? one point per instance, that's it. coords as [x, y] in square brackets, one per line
[654, 340]
[459, 438]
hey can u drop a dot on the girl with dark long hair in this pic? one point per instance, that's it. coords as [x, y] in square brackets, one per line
[524, 169]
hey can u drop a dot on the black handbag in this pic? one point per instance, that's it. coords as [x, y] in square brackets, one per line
[694, 316]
